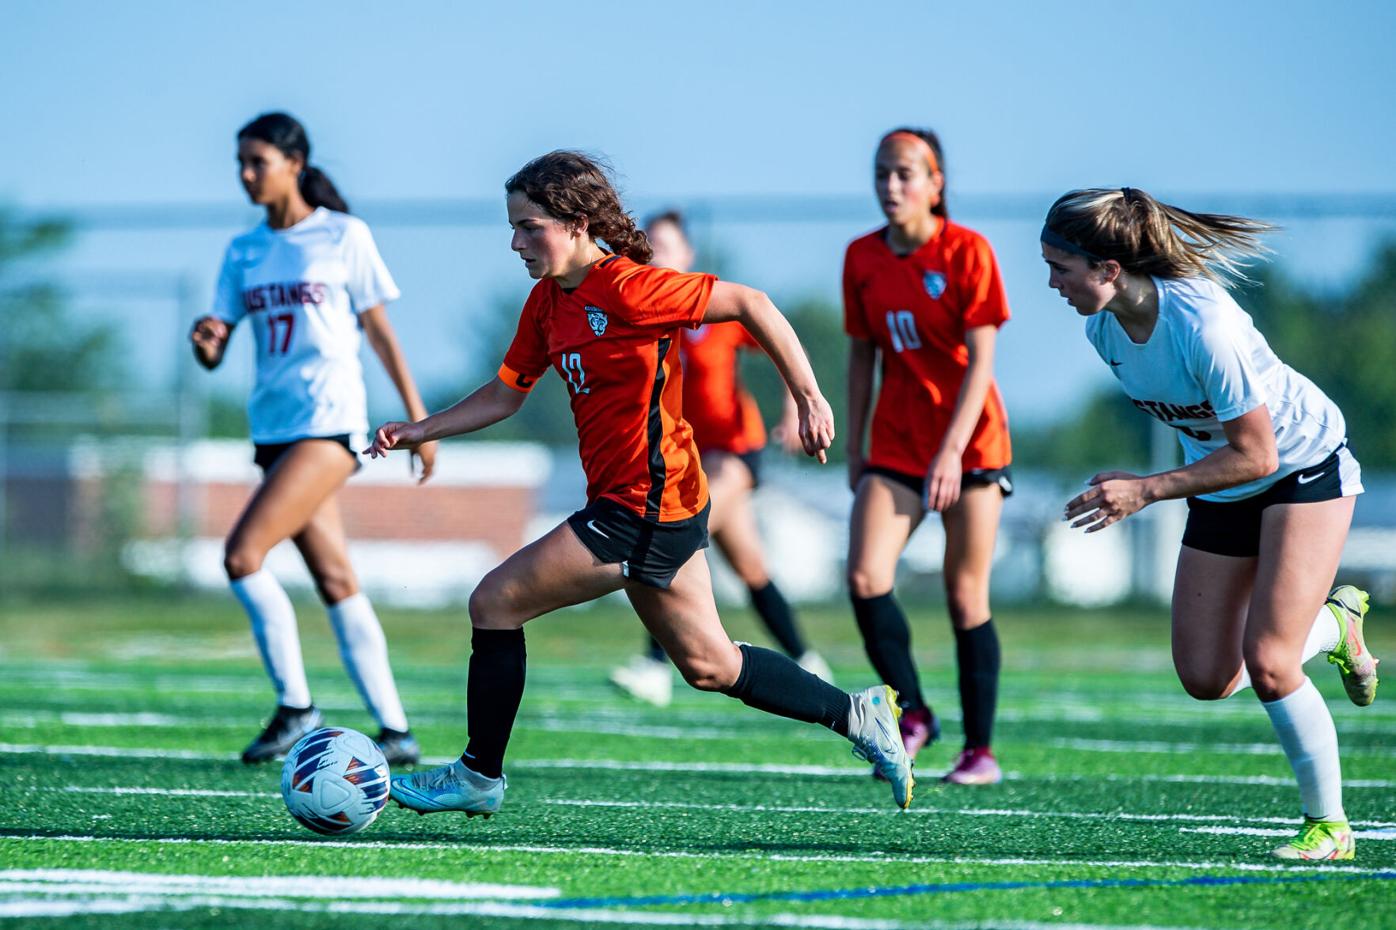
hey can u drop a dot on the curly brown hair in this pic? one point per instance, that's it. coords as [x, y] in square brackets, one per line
[573, 187]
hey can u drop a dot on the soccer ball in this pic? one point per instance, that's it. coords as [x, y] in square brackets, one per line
[335, 781]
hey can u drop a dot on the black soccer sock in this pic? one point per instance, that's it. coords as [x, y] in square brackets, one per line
[774, 611]
[776, 684]
[656, 651]
[492, 693]
[977, 654]
[887, 639]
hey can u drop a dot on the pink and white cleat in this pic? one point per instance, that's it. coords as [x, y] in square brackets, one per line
[976, 766]
[919, 729]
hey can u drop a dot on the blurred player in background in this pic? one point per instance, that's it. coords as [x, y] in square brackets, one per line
[609, 323]
[730, 435]
[309, 281]
[923, 298]
[1268, 478]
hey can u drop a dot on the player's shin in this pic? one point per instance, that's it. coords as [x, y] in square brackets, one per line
[776, 684]
[364, 651]
[493, 692]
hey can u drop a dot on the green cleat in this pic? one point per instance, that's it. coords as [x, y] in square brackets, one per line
[1320, 840]
[1355, 663]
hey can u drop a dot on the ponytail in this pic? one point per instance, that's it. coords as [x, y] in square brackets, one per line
[288, 135]
[319, 191]
[572, 187]
[1147, 236]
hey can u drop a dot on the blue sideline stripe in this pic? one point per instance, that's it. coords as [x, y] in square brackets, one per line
[836, 894]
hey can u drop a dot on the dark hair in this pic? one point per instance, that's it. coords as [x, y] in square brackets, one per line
[287, 134]
[1147, 236]
[573, 187]
[671, 216]
[938, 208]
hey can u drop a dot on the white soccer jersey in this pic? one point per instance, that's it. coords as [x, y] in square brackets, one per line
[1206, 363]
[301, 290]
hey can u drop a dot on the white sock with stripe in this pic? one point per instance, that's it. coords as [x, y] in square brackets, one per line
[364, 650]
[274, 628]
[1323, 639]
[1305, 728]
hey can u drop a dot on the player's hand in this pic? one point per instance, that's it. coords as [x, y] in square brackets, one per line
[943, 480]
[816, 426]
[395, 435]
[1112, 496]
[209, 336]
[425, 458]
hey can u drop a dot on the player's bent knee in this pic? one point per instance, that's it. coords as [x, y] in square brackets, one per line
[864, 584]
[335, 587]
[1205, 686]
[708, 674]
[240, 561]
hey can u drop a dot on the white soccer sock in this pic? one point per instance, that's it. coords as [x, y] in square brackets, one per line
[1305, 728]
[274, 628]
[1323, 635]
[1323, 639]
[364, 650]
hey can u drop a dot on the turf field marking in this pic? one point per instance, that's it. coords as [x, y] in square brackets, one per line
[936, 811]
[96, 881]
[1171, 748]
[1388, 834]
[162, 792]
[483, 847]
[739, 768]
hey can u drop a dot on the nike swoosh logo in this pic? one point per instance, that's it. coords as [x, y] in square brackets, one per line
[1305, 479]
[1114, 364]
[591, 525]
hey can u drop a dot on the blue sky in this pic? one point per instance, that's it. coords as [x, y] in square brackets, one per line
[137, 104]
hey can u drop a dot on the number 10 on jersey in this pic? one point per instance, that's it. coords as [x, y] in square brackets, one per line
[901, 326]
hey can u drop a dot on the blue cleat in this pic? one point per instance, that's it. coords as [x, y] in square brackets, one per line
[449, 788]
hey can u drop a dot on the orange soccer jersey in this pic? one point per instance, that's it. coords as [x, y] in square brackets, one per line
[614, 339]
[723, 413]
[916, 309]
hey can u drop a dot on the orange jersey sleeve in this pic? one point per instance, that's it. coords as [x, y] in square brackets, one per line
[527, 357]
[652, 296]
[985, 302]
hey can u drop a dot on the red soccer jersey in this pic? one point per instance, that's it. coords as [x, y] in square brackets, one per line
[723, 413]
[615, 339]
[916, 308]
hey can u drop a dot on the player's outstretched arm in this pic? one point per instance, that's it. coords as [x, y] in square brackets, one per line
[489, 403]
[759, 316]
[210, 339]
[380, 335]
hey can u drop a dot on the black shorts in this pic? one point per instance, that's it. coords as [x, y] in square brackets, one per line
[267, 454]
[975, 477]
[648, 552]
[1233, 527]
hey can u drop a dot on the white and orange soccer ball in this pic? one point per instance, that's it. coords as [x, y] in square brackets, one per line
[335, 781]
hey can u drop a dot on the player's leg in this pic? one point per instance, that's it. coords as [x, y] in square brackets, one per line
[885, 514]
[971, 528]
[734, 530]
[305, 475]
[684, 618]
[553, 572]
[1300, 546]
[362, 645]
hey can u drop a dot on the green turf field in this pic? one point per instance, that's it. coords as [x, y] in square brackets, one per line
[1127, 804]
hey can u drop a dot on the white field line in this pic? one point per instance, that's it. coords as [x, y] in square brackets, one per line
[941, 811]
[1176, 748]
[578, 916]
[96, 881]
[755, 856]
[1389, 835]
[766, 808]
[740, 768]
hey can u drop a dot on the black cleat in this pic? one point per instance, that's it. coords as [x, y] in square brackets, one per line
[399, 747]
[287, 726]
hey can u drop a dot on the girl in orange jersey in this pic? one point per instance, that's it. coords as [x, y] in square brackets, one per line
[609, 324]
[924, 295]
[730, 435]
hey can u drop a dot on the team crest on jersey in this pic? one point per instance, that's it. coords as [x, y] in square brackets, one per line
[935, 284]
[596, 317]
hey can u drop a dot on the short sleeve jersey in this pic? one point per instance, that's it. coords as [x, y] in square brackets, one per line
[301, 290]
[1205, 363]
[916, 309]
[615, 340]
[724, 415]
